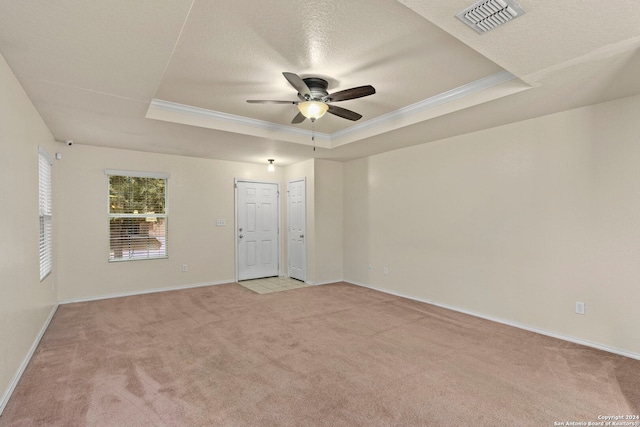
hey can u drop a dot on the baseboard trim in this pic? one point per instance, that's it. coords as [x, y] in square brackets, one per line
[146, 291]
[571, 339]
[7, 394]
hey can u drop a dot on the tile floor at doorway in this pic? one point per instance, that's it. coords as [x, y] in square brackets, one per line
[272, 284]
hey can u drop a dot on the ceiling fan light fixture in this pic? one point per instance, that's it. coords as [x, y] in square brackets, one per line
[313, 110]
[314, 99]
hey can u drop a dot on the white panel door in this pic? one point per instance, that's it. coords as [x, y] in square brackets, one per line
[257, 232]
[296, 229]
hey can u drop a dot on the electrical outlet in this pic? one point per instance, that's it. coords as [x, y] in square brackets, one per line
[386, 271]
[370, 268]
[579, 307]
[185, 267]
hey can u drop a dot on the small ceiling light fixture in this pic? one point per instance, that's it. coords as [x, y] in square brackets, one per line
[271, 167]
[313, 110]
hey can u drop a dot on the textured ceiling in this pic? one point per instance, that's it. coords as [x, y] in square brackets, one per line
[222, 59]
[172, 76]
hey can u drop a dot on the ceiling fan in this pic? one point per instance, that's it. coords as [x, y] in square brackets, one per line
[315, 100]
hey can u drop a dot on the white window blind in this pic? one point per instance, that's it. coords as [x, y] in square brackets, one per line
[138, 219]
[45, 167]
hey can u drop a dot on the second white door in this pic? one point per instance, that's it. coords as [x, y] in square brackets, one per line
[296, 229]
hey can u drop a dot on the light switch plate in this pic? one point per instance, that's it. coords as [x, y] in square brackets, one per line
[220, 223]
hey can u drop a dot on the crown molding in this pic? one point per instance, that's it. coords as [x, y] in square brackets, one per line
[504, 83]
[477, 92]
[434, 101]
[187, 114]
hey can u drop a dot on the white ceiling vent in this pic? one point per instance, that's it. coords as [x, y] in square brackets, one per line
[486, 15]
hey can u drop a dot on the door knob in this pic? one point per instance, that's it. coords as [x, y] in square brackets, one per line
[302, 236]
[241, 236]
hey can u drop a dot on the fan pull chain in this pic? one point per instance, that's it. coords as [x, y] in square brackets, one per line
[313, 134]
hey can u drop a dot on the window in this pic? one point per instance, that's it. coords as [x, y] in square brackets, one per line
[45, 166]
[137, 215]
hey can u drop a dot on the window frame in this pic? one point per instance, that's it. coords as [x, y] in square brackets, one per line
[138, 174]
[45, 212]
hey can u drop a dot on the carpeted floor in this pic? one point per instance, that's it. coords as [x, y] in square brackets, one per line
[332, 355]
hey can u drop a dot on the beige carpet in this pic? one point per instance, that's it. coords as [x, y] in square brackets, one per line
[332, 355]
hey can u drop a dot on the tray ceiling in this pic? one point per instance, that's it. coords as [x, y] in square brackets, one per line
[172, 76]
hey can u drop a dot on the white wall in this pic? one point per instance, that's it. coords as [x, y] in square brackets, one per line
[517, 222]
[328, 221]
[199, 192]
[25, 302]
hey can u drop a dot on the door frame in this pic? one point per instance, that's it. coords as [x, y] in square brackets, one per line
[235, 222]
[304, 181]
